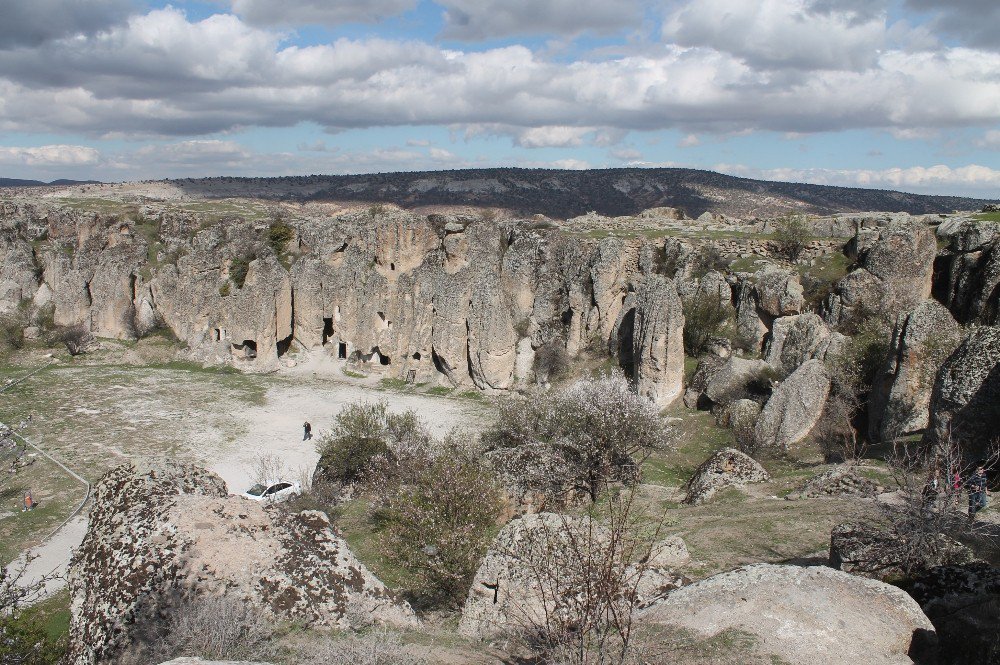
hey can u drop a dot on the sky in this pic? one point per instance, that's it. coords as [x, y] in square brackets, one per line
[892, 94]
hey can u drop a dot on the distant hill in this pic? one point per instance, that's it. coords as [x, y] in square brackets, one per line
[14, 182]
[563, 194]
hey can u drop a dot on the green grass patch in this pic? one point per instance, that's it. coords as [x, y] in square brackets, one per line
[393, 384]
[440, 390]
[988, 216]
[354, 375]
[52, 614]
[474, 395]
[697, 437]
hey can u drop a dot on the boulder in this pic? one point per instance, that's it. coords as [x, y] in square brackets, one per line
[750, 329]
[841, 480]
[965, 403]
[794, 407]
[735, 379]
[726, 468]
[963, 603]
[875, 552]
[669, 553]
[901, 392]
[658, 341]
[970, 271]
[796, 339]
[161, 534]
[779, 291]
[802, 615]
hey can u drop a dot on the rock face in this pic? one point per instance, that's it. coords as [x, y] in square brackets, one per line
[726, 468]
[965, 403]
[658, 341]
[779, 292]
[803, 615]
[842, 480]
[895, 273]
[734, 380]
[970, 271]
[796, 339]
[901, 393]
[160, 534]
[794, 408]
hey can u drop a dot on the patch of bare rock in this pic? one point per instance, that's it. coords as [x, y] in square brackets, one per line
[162, 534]
[803, 615]
[726, 468]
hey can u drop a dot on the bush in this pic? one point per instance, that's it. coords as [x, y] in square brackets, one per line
[239, 266]
[705, 317]
[551, 360]
[791, 235]
[45, 317]
[12, 331]
[593, 432]
[379, 647]
[362, 434]
[707, 258]
[279, 234]
[23, 639]
[76, 339]
[437, 521]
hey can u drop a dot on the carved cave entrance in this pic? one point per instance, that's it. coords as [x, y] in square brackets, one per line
[626, 339]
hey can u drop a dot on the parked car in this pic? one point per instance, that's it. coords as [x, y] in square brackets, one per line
[273, 493]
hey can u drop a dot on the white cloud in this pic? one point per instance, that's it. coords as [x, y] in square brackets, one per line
[780, 33]
[689, 141]
[990, 139]
[973, 179]
[471, 20]
[50, 155]
[551, 137]
[626, 154]
[318, 12]
[418, 143]
[195, 152]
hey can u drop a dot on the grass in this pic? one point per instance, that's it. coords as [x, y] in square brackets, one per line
[474, 395]
[52, 614]
[697, 438]
[988, 217]
[393, 384]
[353, 519]
[828, 267]
[354, 375]
[440, 390]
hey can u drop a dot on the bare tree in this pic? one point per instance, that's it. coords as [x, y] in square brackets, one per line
[23, 641]
[588, 575]
[77, 339]
[265, 469]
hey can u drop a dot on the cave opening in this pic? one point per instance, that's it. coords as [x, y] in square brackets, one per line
[342, 351]
[284, 345]
[626, 344]
[416, 355]
[327, 329]
[248, 347]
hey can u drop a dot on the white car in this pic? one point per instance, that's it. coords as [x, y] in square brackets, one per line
[273, 493]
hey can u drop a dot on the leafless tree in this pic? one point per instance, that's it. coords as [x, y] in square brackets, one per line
[77, 339]
[266, 468]
[22, 642]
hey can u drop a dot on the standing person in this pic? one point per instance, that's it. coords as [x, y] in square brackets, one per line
[978, 491]
[307, 431]
[29, 502]
[931, 490]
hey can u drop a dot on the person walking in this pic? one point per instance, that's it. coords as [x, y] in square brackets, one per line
[978, 491]
[307, 431]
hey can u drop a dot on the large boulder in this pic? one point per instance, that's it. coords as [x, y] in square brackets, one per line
[726, 468]
[160, 535]
[802, 615]
[796, 339]
[963, 603]
[901, 393]
[794, 408]
[877, 552]
[779, 291]
[736, 379]
[658, 341]
[965, 403]
[970, 270]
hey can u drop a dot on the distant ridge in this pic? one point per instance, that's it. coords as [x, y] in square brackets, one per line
[562, 194]
[14, 182]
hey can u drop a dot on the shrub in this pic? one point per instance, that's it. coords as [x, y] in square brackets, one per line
[378, 647]
[76, 338]
[239, 266]
[551, 360]
[705, 317]
[707, 258]
[226, 289]
[593, 432]
[23, 640]
[791, 235]
[437, 521]
[45, 317]
[279, 234]
[12, 331]
[363, 433]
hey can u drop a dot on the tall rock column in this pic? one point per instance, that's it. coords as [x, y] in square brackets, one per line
[658, 341]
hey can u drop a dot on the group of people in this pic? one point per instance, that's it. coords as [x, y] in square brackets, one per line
[977, 486]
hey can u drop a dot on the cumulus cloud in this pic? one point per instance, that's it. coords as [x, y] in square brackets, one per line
[973, 21]
[689, 141]
[781, 33]
[972, 179]
[551, 137]
[34, 22]
[471, 20]
[50, 155]
[318, 12]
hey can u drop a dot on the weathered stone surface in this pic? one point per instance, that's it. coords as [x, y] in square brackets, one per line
[658, 341]
[963, 603]
[508, 592]
[901, 393]
[750, 329]
[871, 551]
[199, 661]
[796, 339]
[803, 615]
[896, 266]
[669, 553]
[164, 533]
[970, 270]
[726, 468]
[965, 403]
[733, 380]
[841, 480]
[779, 292]
[794, 408]
[741, 413]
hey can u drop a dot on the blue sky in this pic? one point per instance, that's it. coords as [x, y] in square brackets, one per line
[899, 94]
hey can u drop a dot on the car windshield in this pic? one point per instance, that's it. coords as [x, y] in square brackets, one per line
[256, 490]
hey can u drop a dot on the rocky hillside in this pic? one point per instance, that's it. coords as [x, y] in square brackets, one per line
[562, 194]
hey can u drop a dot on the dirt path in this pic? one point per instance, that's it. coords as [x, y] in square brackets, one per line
[51, 559]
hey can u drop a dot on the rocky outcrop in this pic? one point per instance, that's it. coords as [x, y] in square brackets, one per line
[726, 468]
[969, 270]
[779, 291]
[895, 273]
[160, 535]
[965, 403]
[794, 407]
[658, 341]
[796, 339]
[802, 615]
[871, 551]
[901, 392]
[737, 379]
[841, 480]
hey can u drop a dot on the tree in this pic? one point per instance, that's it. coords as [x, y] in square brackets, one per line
[595, 431]
[791, 234]
[23, 640]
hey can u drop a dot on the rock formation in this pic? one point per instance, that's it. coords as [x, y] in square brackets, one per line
[969, 279]
[794, 408]
[802, 615]
[796, 339]
[726, 468]
[872, 551]
[161, 534]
